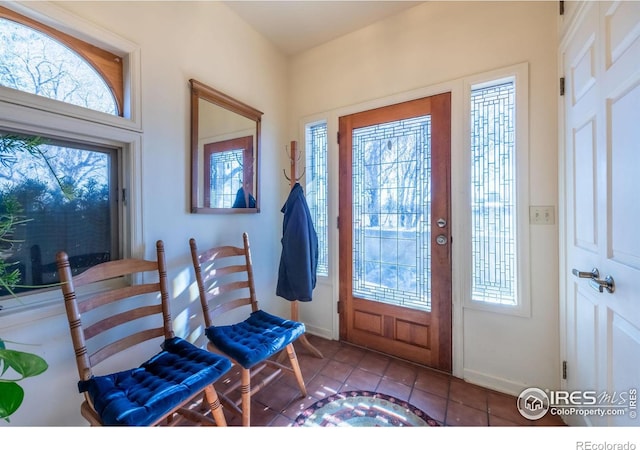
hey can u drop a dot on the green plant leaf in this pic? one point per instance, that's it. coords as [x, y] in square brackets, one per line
[26, 364]
[11, 396]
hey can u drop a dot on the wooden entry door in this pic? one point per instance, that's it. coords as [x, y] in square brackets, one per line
[395, 240]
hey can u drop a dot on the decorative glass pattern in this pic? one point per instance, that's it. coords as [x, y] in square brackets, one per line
[316, 195]
[493, 194]
[226, 177]
[391, 212]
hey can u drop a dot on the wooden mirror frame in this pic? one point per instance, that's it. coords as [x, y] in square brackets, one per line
[200, 91]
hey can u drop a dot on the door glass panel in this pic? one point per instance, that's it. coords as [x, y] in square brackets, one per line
[226, 177]
[392, 212]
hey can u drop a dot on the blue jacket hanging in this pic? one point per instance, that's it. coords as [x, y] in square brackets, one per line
[299, 259]
[241, 202]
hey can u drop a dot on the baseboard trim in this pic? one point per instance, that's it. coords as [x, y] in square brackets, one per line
[320, 332]
[495, 383]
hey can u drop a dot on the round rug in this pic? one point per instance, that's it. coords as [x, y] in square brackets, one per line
[363, 409]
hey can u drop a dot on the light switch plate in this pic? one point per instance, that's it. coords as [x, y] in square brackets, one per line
[542, 215]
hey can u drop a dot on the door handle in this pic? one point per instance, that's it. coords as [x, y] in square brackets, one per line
[601, 285]
[595, 282]
[595, 273]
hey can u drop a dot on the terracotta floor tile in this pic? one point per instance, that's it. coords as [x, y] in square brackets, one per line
[401, 372]
[296, 407]
[327, 347]
[278, 394]
[495, 421]
[395, 389]
[467, 394]
[349, 354]
[281, 421]
[433, 382]
[505, 407]
[463, 415]
[322, 386]
[449, 400]
[434, 405]
[361, 380]
[374, 363]
[337, 370]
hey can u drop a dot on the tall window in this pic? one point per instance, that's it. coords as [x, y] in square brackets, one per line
[493, 193]
[316, 191]
[57, 191]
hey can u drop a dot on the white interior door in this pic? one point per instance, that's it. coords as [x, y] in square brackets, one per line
[601, 63]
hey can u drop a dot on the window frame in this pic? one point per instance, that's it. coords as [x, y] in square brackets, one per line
[53, 16]
[26, 113]
[108, 65]
[519, 75]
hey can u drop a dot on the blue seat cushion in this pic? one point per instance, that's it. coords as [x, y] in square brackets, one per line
[255, 339]
[141, 396]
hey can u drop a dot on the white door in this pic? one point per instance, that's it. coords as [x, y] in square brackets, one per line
[601, 64]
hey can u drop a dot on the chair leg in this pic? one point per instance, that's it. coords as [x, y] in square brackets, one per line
[296, 369]
[216, 407]
[245, 391]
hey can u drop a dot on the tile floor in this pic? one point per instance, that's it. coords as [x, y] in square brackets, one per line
[449, 400]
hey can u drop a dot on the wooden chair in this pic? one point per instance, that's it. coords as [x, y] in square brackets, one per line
[174, 386]
[225, 281]
[48, 273]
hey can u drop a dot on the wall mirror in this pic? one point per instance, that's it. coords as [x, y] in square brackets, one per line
[225, 150]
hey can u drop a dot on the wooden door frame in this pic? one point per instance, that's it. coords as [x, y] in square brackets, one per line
[440, 105]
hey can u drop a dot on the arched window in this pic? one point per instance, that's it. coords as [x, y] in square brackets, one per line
[69, 172]
[40, 60]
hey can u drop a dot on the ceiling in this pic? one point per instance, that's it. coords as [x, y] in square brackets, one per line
[297, 25]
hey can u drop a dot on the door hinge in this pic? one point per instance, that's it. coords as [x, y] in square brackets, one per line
[339, 307]
[124, 196]
[562, 86]
[564, 370]
[338, 137]
[561, 7]
[338, 222]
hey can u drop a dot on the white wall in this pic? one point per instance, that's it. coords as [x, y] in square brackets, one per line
[424, 49]
[178, 41]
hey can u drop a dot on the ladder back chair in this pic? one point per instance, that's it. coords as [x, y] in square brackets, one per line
[225, 282]
[175, 386]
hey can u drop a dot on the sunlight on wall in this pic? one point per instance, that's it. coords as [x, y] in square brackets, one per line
[187, 321]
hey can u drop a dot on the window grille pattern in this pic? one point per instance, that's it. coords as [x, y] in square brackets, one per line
[493, 194]
[31, 61]
[316, 191]
[391, 212]
[226, 177]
